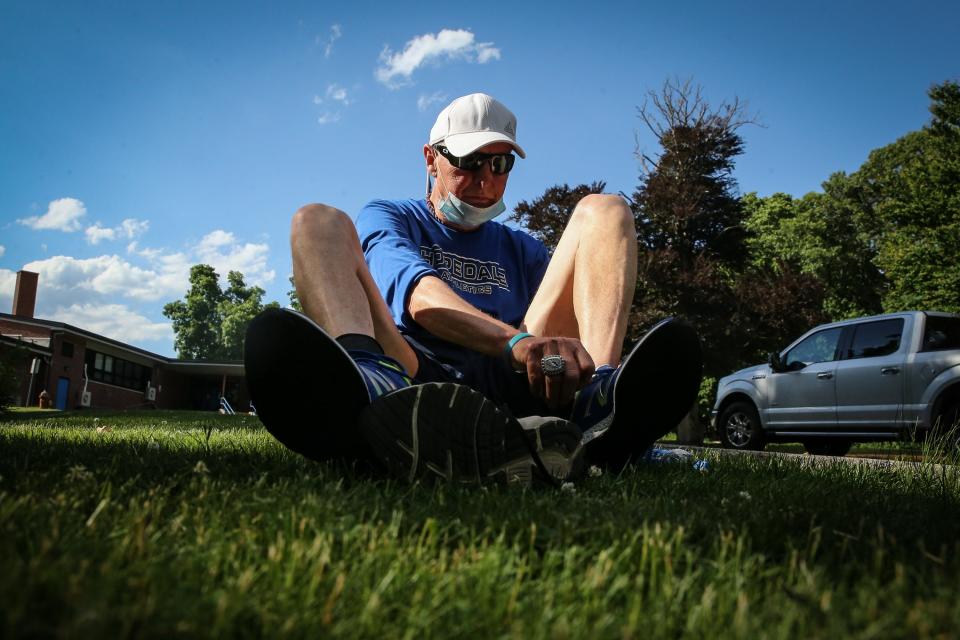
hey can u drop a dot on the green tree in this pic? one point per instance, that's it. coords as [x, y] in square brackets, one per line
[13, 361]
[910, 194]
[884, 238]
[210, 323]
[687, 199]
[694, 254]
[294, 296]
[688, 215]
[196, 318]
[821, 235]
[239, 305]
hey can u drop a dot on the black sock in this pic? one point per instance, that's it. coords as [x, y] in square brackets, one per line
[359, 341]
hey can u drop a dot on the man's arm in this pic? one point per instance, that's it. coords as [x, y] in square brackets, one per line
[439, 310]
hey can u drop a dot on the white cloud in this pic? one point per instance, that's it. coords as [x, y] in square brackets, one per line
[449, 44]
[150, 254]
[62, 215]
[114, 321]
[215, 239]
[334, 93]
[133, 228]
[335, 33]
[487, 52]
[66, 280]
[8, 282]
[424, 101]
[338, 93]
[3, 250]
[100, 294]
[96, 233]
[222, 250]
[130, 228]
[172, 271]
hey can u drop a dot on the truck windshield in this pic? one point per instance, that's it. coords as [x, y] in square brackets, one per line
[941, 333]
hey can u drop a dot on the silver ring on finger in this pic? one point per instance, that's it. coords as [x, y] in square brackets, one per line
[553, 365]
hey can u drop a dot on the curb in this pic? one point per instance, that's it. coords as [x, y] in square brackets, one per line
[806, 459]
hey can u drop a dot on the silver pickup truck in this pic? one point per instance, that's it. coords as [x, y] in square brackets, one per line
[876, 378]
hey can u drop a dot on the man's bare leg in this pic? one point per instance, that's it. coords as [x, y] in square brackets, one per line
[586, 293]
[334, 285]
[589, 285]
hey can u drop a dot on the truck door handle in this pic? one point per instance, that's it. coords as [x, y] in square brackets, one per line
[824, 375]
[889, 371]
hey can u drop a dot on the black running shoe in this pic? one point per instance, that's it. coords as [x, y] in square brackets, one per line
[307, 390]
[451, 432]
[623, 411]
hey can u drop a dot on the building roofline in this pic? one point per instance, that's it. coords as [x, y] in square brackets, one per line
[26, 344]
[63, 326]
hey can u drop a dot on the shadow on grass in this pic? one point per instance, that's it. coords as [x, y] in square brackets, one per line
[27, 413]
[146, 458]
[90, 418]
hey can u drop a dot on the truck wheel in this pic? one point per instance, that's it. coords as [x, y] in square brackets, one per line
[947, 424]
[739, 427]
[949, 418]
[827, 447]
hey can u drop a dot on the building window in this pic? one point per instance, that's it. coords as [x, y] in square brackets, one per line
[66, 349]
[123, 373]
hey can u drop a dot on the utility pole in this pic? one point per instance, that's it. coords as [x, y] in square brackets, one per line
[34, 369]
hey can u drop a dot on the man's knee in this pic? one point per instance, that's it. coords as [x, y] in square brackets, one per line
[604, 206]
[604, 209]
[321, 221]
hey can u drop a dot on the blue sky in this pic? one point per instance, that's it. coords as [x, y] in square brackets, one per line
[138, 138]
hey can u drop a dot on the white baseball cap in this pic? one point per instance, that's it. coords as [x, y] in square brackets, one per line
[473, 121]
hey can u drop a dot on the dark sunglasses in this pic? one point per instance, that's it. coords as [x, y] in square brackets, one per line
[500, 163]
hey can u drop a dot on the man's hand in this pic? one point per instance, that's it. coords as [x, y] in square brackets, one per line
[558, 390]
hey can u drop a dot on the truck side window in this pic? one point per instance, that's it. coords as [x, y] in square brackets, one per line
[820, 347]
[941, 333]
[872, 339]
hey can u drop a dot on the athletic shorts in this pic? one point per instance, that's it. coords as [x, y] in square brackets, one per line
[491, 376]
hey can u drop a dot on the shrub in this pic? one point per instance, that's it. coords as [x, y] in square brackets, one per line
[11, 361]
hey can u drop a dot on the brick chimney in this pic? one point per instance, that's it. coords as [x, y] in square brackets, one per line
[25, 294]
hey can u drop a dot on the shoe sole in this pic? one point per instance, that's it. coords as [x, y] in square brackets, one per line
[306, 389]
[449, 432]
[656, 388]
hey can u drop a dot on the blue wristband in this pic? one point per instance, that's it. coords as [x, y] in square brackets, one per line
[508, 350]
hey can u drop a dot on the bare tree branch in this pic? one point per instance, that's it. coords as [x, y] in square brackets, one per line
[679, 104]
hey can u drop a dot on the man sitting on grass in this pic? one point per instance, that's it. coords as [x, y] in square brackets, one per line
[431, 290]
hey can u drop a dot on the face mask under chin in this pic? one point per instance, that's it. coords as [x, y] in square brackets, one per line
[464, 214]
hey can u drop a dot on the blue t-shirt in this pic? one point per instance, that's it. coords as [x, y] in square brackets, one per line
[495, 268]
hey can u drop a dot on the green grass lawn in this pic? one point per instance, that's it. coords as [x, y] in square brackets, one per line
[186, 524]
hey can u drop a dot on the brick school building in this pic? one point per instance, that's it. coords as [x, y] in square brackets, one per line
[81, 369]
